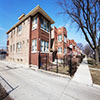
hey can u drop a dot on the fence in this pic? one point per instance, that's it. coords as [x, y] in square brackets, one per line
[68, 64]
[54, 66]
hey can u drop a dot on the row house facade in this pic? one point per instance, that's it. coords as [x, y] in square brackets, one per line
[33, 36]
[59, 41]
[73, 48]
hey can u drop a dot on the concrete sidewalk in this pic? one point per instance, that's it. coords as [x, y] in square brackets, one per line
[82, 74]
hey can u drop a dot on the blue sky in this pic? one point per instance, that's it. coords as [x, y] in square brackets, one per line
[10, 10]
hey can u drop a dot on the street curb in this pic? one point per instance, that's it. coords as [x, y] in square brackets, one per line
[96, 85]
[54, 74]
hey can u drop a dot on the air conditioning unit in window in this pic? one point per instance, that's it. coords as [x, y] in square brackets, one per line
[34, 26]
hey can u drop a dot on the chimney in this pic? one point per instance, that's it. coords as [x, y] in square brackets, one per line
[21, 16]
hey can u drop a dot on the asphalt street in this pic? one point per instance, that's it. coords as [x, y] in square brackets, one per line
[23, 83]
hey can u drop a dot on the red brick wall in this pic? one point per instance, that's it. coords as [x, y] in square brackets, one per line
[34, 58]
[38, 34]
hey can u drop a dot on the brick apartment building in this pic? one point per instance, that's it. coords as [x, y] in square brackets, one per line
[59, 41]
[33, 35]
[72, 46]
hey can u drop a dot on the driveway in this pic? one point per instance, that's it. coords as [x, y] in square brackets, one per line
[26, 84]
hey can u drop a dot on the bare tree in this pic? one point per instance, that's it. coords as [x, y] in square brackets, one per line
[87, 50]
[80, 45]
[86, 14]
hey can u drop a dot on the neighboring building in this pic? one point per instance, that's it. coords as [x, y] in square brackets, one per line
[72, 47]
[59, 41]
[29, 37]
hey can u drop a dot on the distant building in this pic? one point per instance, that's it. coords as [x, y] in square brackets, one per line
[72, 46]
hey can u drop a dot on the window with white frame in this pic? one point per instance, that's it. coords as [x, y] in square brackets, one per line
[18, 46]
[60, 50]
[59, 38]
[65, 39]
[19, 29]
[44, 24]
[44, 46]
[34, 45]
[34, 22]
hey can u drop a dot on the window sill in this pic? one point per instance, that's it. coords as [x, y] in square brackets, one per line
[44, 30]
[44, 52]
[59, 53]
[34, 28]
[34, 51]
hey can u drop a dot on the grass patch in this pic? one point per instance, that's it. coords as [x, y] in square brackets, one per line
[95, 76]
[91, 63]
[61, 69]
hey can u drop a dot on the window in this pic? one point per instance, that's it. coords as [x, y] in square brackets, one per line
[48, 27]
[65, 39]
[44, 46]
[34, 22]
[65, 50]
[47, 48]
[14, 31]
[11, 34]
[11, 48]
[60, 50]
[70, 46]
[44, 24]
[34, 45]
[59, 38]
[42, 21]
[19, 29]
[18, 46]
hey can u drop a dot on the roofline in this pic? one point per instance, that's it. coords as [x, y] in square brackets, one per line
[31, 13]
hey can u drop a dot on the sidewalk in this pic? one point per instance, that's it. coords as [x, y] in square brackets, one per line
[82, 74]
